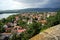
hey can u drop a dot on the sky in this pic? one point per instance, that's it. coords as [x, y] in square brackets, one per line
[22, 4]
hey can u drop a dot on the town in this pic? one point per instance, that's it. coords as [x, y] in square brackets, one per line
[21, 23]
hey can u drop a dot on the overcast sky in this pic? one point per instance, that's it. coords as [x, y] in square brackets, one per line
[22, 4]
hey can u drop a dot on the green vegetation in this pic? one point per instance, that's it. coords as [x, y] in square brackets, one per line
[32, 29]
[52, 21]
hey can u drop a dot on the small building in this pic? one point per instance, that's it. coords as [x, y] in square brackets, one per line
[30, 21]
[43, 22]
[15, 23]
[24, 20]
[17, 18]
[5, 26]
[18, 29]
[48, 15]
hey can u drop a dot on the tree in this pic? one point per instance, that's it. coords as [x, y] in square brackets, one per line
[58, 16]
[1, 27]
[22, 23]
[11, 18]
[13, 37]
[34, 29]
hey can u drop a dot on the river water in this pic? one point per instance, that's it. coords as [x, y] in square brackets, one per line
[5, 15]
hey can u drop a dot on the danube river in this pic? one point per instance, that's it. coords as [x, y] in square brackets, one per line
[5, 15]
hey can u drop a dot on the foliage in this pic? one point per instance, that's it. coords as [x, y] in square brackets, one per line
[32, 29]
[22, 23]
[14, 37]
[1, 27]
[11, 18]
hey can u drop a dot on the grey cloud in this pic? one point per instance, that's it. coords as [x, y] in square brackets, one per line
[53, 4]
[34, 3]
[30, 1]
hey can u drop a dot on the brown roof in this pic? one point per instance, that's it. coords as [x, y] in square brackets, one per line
[43, 21]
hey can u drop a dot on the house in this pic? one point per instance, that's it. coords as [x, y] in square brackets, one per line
[24, 20]
[15, 23]
[17, 18]
[18, 29]
[48, 15]
[43, 22]
[30, 21]
[7, 27]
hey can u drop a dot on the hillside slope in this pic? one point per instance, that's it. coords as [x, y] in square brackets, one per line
[52, 33]
[30, 10]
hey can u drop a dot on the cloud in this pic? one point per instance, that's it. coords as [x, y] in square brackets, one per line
[21, 4]
[34, 3]
[11, 4]
[53, 4]
[41, 3]
[30, 1]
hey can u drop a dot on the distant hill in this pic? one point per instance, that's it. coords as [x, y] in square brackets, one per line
[31, 10]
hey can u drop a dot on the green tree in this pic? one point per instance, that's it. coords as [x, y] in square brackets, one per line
[22, 23]
[1, 27]
[11, 18]
[58, 16]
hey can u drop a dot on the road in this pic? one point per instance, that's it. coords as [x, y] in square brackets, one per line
[4, 35]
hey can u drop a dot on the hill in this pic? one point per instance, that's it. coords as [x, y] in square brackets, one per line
[31, 10]
[52, 33]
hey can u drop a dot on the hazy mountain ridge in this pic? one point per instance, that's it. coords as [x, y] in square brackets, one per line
[31, 10]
